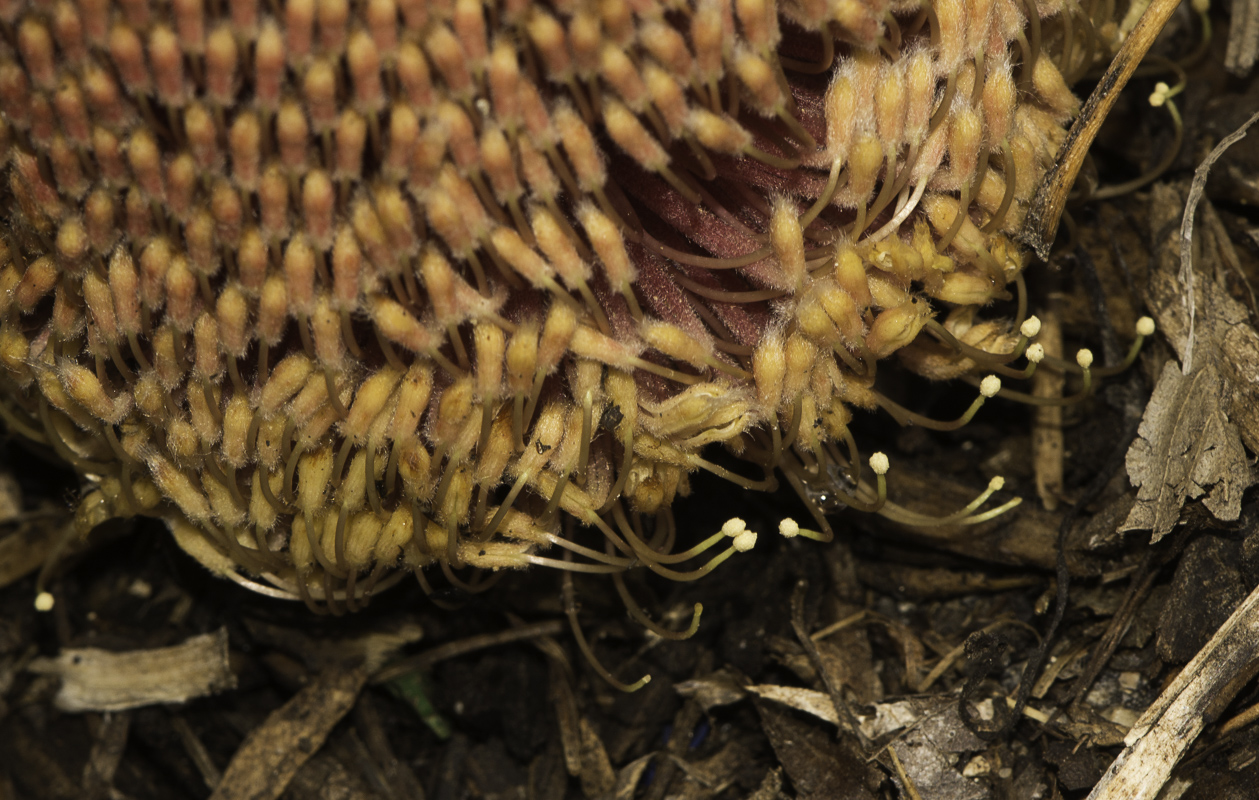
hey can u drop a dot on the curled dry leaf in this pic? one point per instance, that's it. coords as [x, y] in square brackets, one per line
[99, 680]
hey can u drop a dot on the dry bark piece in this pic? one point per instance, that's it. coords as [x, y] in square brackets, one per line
[1186, 448]
[271, 755]
[1078, 767]
[99, 680]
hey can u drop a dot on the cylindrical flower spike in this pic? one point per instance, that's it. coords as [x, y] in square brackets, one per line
[357, 192]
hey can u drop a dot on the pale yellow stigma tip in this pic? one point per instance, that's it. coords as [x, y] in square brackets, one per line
[879, 463]
[44, 601]
[734, 526]
[789, 528]
[989, 386]
[1030, 327]
[1145, 326]
[1084, 358]
[1036, 353]
[745, 541]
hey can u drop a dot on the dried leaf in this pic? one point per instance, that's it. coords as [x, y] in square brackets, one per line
[934, 719]
[272, 754]
[770, 788]
[720, 688]
[711, 776]
[1186, 448]
[1223, 331]
[627, 779]
[932, 773]
[597, 777]
[818, 704]
[818, 766]
[99, 680]
[1196, 190]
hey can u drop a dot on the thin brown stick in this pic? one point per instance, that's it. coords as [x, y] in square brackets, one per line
[1041, 224]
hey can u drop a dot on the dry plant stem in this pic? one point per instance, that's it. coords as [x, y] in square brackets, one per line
[1242, 719]
[1041, 225]
[950, 658]
[1036, 661]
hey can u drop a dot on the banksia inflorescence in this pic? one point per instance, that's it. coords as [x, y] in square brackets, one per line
[343, 286]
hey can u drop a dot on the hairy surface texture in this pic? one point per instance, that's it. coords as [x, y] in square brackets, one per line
[343, 285]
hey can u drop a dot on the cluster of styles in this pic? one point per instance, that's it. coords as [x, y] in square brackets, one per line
[343, 286]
